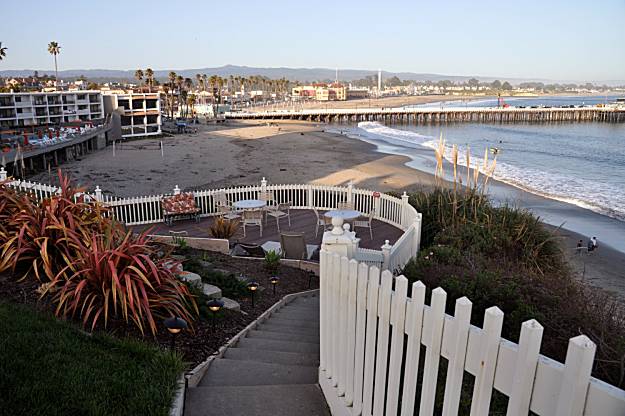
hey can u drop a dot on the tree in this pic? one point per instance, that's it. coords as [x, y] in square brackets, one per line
[54, 49]
[149, 77]
[506, 86]
[172, 84]
[496, 84]
[3, 51]
[93, 86]
[139, 75]
[473, 82]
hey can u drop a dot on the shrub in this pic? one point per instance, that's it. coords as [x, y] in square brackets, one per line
[222, 228]
[118, 279]
[272, 261]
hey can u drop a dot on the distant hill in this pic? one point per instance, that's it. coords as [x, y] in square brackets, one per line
[293, 74]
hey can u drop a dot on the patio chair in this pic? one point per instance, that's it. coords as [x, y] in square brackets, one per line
[269, 202]
[364, 223]
[293, 246]
[322, 221]
[283, 210]
[345, 205]
[227, 212]
[252, 217]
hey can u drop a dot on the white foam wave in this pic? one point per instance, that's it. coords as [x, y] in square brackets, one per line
[577, 190]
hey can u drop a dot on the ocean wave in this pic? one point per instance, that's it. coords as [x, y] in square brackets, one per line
[596, 196]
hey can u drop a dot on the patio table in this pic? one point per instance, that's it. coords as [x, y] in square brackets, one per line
[250, 204]
[339, 216]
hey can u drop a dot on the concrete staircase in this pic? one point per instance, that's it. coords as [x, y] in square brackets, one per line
[273, 371]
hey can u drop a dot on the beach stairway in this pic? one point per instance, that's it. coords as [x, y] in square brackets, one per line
[272, 371]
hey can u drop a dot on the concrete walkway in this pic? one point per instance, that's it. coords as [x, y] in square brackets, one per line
[271, 372]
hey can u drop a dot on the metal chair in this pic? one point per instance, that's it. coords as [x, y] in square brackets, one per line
[322, 221]
[252, 217]
[227, 212]
[283, 210]
[364, 223]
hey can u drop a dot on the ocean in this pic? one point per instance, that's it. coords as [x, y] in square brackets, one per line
[582, 164]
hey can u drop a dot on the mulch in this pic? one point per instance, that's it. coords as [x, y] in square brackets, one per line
[207, 336]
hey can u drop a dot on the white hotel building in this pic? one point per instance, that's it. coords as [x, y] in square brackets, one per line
[24, 109]
[140, 112]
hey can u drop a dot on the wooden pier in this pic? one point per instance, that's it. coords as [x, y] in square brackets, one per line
[444, 115]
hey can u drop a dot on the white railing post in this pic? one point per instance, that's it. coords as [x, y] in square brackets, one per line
[350, 192]
[3, 174]
[417, 235]
[404, 210]
[386, 253]
[311, 197]
[98, 193]
[176, 190]
[263, 186]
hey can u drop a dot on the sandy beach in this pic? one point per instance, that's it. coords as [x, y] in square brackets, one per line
[290, 152]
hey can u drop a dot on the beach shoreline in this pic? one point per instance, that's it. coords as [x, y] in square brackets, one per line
[243, 153]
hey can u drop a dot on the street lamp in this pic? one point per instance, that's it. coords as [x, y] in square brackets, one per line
[253, 287]
[274, 280]
[174, 325]
[214, 305]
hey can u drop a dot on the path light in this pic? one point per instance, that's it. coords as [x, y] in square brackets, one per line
[253, 287]
[215, 306]
[174, 325]
[274, 281]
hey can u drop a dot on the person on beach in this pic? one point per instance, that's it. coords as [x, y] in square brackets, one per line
[595, 245]
[578, 249]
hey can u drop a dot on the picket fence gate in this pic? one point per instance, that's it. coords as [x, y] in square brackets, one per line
[372, 335]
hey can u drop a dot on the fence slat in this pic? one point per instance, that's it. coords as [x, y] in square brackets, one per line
[342, 321]
[525, 368]
[324, 275]
[351, 331]
[372, 322]
[381, 358]
[455, 368]
[359, 351]
[414, 329]
[485, 377]
[398, 315]
[577, 368]
[433, 330]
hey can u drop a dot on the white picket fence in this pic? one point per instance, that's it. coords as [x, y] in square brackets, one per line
[147, 209]
[372, 334]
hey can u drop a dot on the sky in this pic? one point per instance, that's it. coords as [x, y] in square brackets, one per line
[548, 39]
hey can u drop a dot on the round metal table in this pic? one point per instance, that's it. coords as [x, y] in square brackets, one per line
[250, 204]
[339, 216]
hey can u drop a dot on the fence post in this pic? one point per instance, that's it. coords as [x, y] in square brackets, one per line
[176, 190]
[417, 235]
[350, 189]
[3, 174]
[404, 209]
[98, 193]
[263, 186]
[386, 252]
[311, 197]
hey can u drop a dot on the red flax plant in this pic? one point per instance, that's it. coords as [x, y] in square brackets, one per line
[118, 278]
[37, 234]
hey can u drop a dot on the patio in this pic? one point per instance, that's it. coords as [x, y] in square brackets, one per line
[302, 220]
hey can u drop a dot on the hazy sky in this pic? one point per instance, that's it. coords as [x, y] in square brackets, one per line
[565, 40]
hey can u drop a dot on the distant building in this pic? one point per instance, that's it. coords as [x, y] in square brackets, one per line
[321, 92]
[26, 109]
[140, 112]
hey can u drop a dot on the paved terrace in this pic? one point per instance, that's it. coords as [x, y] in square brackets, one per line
[302, 220]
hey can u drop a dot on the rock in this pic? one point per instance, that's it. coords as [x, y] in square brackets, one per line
[174, 266]
[206, 265]
[211, 291]
[231, 305]
[192, 279]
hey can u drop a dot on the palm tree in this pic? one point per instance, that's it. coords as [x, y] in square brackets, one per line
[3, 51]
[191, 103]
[172, 79]
[139, 75]
[149, 77]
[55, 49]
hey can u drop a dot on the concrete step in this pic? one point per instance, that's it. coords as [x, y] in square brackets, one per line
[297, 316]
[289, 329]
[274, 400]
[301, 308]
[300, 324]
[211, 291]
[226, 372]
[231, 304]
[274, 345]
[281, 336]
[275, 357]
